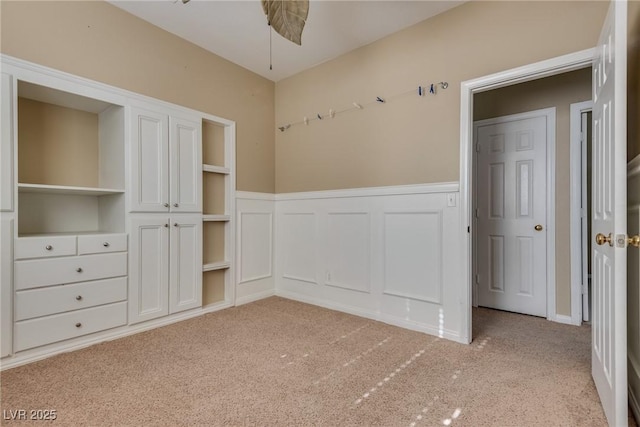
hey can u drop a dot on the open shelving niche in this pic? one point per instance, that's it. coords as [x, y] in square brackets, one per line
[218, 183]
[70, 163]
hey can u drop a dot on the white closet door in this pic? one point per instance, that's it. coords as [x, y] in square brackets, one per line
[186, 263]
[185, 147]
[149, 188]
[148, 268]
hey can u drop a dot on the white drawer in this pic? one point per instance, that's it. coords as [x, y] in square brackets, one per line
[58, 299]
[46, 272]
[101, 243]
[49, 329]
[45, 246]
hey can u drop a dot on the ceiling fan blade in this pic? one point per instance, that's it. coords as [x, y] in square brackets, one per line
[287, 17]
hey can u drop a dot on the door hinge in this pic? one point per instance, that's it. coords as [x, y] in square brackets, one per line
[468, 229]
[478, 147]
[477, 279]
[477, 213]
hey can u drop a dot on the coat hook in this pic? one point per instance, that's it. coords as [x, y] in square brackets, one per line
[306, 120]
[419, 90]
[332, 113]
[444, 85]
[285, 127]
[380, 99]
[358, 106]
[320, 117]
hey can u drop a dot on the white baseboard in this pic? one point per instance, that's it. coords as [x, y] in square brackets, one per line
[255, 297]
[567, 320]
[380, 317]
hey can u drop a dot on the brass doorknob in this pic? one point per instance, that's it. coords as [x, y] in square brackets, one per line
[538, 227]
[634, 240]
[601, 239]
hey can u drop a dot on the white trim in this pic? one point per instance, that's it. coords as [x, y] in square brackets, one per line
[561, 318]
[36, 354]
[250, 195]
[443, 187]
[633, 167]
[242, 280]
[577, 153]
[550, 215]
[373, 315]
[255, 297]
[561, 64]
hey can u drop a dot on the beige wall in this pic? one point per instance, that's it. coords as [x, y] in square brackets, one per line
[96, 40]
[410, 139]
[560, 92]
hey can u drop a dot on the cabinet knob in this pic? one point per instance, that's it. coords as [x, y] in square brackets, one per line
[175, 205]
[175, 224]
[78, 325]
[48, 247]
[79, 298]
[79, 270]
[105, 244]
[166, 225]
[166, 205]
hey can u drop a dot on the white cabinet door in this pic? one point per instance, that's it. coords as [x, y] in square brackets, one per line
[185, 165]
[6, 285]
[6, 143]
[186, 263]
[149, 268]
[149, 189]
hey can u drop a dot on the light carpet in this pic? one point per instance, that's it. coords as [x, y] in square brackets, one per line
[278, 362]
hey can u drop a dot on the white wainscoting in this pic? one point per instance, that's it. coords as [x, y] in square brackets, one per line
[255, 246]
[390, 254]
[633, 285]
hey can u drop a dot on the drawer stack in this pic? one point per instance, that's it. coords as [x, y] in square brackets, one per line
[68, 286]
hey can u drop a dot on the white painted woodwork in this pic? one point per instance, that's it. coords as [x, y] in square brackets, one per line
[394, 251]
[149, 267]
[39, 302]
[511, 201]
[413, 255]
[149, 154]
[185, 165]
[111, 142]
[66, 190]
[185, 284]
[44, 246]
[53, 271]
[6, 284]
[101, 243]
[256, 213]
[299, 256]
[609, 216]
[349, 261]
[58, 327]
[7, 123]
[255, 238]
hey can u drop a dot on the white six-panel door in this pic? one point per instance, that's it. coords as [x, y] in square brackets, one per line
[511, 251]
[609, 220]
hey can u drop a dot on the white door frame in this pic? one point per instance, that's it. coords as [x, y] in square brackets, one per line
[550, 67]
[578, 183]
[550, 215]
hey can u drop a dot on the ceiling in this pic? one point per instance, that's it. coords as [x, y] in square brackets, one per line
[237, 29]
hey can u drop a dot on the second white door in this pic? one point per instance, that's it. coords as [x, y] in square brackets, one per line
[511, 212]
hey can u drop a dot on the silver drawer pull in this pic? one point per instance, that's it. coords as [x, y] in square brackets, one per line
[175, 205]
[78, 325]
[48, 247]
[79, 270]
[166, 205]
[175, 224]
[79, 297]
[105, 244]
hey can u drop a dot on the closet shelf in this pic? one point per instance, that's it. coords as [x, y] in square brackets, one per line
[216, 266]
[69, 190]
[222, 218]
[216, 169]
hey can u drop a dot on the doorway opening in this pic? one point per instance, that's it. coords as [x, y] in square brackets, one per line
[522, 165]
